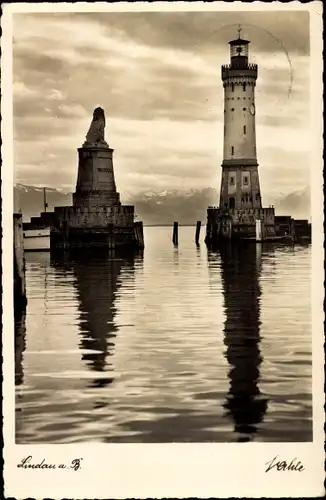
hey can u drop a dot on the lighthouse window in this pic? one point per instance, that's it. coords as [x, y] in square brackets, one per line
[232, 150]
[244, 129]
[232, 109]
[244, 109]
[244, 87]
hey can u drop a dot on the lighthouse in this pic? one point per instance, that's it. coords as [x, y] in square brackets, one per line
[240, 208]
[240, 180]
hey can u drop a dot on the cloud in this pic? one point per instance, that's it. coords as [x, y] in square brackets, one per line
[272, 31]
[158, 78]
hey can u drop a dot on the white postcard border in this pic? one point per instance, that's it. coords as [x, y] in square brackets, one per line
[165, 470]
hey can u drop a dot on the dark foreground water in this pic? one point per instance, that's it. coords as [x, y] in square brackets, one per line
[175, 345]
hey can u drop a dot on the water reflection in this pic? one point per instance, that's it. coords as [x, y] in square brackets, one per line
[97, 282]
[240, 270]
[20, 345]
[166, 349]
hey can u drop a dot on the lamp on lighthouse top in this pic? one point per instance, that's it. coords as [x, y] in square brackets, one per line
[239, 51]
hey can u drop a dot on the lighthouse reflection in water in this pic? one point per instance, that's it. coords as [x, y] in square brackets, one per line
[179, 344]
[240, 277]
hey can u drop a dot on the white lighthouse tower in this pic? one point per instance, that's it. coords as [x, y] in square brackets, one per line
[240, 210]
[240, 187]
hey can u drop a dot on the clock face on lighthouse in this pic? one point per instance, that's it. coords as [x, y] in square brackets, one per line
[252, 109]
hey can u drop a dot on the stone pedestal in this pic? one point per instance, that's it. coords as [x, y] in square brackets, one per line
[236, 224]
[95, 182]
[97, 217]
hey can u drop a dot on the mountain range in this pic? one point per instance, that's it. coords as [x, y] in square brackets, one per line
[157, 208]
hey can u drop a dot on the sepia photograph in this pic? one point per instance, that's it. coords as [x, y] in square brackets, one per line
[163, 228]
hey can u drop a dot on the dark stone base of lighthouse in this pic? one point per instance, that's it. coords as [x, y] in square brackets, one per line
[236, 226]
[239, 226]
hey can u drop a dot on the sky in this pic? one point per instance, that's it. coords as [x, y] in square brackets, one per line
[158, 78]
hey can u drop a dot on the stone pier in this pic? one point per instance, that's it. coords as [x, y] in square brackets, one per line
[238, 224]
[20, 300]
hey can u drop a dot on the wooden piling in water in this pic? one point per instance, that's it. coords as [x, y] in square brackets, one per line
[175, 236]
[20, 300]
[139, 234]
[198, 226]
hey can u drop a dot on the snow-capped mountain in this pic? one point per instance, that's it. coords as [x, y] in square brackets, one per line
[159, 208]
[30, 199]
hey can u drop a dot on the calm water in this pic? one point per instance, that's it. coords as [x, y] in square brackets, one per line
[175, 345]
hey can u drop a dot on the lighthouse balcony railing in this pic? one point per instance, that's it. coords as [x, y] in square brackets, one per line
[251, 66]
[229, 70]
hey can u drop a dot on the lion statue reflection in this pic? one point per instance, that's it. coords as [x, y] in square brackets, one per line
[95, 134]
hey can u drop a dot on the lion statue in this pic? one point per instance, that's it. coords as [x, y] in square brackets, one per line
[95, 134]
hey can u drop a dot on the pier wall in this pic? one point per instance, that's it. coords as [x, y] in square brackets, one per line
[109, 227]
[84, 217]
[121, 215]
[110, 237]
[241, 223]
[20, 299]
[87, 226]
[284, 225]
[44, 220]
[245, 215]
[302, 229]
